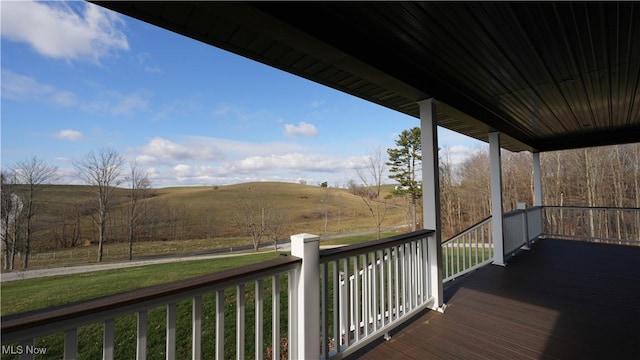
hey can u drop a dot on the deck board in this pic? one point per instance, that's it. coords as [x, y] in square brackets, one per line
[561, 300]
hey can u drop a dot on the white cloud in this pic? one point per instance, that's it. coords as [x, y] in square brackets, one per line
[143, 59]
[163, 150]
[24, 88]
[458, 154]
[240, 117]
[129, 103]
[190, 160]
[68, 134]
[297, 161]
[117, 103]
[182, 170]
[457, 147]
[153, 69]
[145, 159]
[63, 98]
[69, 31]
[316, 104]
[302, 129]
[240, 149]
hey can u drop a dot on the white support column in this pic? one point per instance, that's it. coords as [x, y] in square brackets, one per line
[307, 247]
[431, 197]
[496, 197]
[537, 180]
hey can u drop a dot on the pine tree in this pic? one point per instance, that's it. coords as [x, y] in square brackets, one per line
[404, 163]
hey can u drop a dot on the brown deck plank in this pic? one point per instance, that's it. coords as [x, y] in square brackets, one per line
[561, 300]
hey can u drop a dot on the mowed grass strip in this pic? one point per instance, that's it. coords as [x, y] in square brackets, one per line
[30, 294]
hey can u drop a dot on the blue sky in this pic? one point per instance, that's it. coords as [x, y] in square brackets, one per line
[76, 77]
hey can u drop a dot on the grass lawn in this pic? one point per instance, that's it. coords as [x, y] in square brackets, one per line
[30, 294]
[19, 296]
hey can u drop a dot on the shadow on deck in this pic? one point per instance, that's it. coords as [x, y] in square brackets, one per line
[561, 300]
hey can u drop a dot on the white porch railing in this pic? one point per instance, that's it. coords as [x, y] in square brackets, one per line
[365, 290]
[20, 332]
[474, 247]
[602, 224]
[521, 227]
[368, 289]
[468, 250]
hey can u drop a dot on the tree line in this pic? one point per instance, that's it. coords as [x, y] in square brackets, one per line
[22, 188]
[594, 177]
[600, 176]
[115, 206]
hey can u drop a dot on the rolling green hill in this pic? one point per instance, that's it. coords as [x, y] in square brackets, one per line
[206, 212]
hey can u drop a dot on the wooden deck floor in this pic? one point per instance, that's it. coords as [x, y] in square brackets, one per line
[560, 300]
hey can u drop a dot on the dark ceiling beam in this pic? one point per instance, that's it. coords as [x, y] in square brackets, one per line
[617, 136]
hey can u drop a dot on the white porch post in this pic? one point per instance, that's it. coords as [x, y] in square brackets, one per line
[496, 197]
[307, 247]
[537, 180]
[431, 197]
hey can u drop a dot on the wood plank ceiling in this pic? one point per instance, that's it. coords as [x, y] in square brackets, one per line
[548, 75]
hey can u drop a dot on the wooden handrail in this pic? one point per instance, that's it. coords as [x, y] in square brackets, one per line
[18, 322]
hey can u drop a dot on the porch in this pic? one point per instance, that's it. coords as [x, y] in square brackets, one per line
[554, 299]
[562, 299]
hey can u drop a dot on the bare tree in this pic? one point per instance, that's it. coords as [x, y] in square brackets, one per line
[10, 210]
[101, 169]
[32, 173]
[517, 177]
[210, 223]
[552, 182]
[372, 174]
[139, 184]
[250, 216]
[474, 186]
[69, 233]
[275, 224]
[449, 197]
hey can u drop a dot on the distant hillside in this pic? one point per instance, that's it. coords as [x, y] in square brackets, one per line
[205, 212]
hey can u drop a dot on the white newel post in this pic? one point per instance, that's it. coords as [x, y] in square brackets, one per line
[307, 247]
